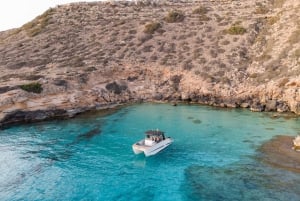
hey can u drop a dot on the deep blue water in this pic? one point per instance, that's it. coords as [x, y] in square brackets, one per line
[89, 157]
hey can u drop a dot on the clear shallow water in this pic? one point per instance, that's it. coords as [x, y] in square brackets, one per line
[89, 157]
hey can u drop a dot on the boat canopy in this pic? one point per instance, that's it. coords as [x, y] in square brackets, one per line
[154, 133]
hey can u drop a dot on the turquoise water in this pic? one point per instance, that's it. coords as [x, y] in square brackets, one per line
[89, 157]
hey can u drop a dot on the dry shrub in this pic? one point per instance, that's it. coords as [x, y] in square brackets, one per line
[203, 18]
[176, 81]
[132, 31]
[151, 27]
[200, 10]
[253, 75]
[174, 16]
[197, 53]
[236, 30]
[225, 80]
[202, 60]
[147, 48]
[187, 65]
[272, 20]
[153, 57]
[261, 9]
[34, 87]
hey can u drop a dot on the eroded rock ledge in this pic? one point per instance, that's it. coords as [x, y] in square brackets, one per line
[133, 85]
[278, 152]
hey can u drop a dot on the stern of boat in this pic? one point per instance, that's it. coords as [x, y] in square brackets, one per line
[138, 147]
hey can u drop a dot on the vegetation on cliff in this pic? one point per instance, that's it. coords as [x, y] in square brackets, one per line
[32, 87]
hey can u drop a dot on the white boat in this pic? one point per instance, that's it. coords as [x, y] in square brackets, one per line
[154, 142]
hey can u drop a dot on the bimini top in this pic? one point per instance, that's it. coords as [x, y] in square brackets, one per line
[154, 132]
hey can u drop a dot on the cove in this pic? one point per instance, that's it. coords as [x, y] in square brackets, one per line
[214, 156]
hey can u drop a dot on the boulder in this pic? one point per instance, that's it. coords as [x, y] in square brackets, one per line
[257, 107]
[271, 105]
[295, 107]
[185, 96]
[244, 105]
[158, 96]
[282, 107]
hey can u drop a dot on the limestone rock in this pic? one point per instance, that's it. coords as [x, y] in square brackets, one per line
[271, 105]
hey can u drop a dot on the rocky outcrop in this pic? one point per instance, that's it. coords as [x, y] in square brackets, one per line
[18, 116]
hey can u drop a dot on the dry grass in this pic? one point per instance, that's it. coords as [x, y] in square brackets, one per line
[36, 26]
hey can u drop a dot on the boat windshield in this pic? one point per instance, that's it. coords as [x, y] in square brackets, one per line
[155, 135]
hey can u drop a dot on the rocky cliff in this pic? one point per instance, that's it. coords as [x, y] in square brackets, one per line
[87, 56]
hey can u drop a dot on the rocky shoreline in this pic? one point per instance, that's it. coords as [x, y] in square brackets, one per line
[63, 107]
[20, 106]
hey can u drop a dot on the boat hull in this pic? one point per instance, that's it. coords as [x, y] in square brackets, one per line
[151, 150]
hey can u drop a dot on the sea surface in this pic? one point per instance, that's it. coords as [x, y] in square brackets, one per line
[214, 157]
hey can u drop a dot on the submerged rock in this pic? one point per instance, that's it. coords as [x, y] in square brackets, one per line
[278, 152]
[90, 134]
[237, 181]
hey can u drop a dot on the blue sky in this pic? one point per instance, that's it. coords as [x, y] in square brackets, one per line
[15, 13]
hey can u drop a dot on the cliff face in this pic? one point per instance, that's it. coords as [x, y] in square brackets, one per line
[84, 56]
